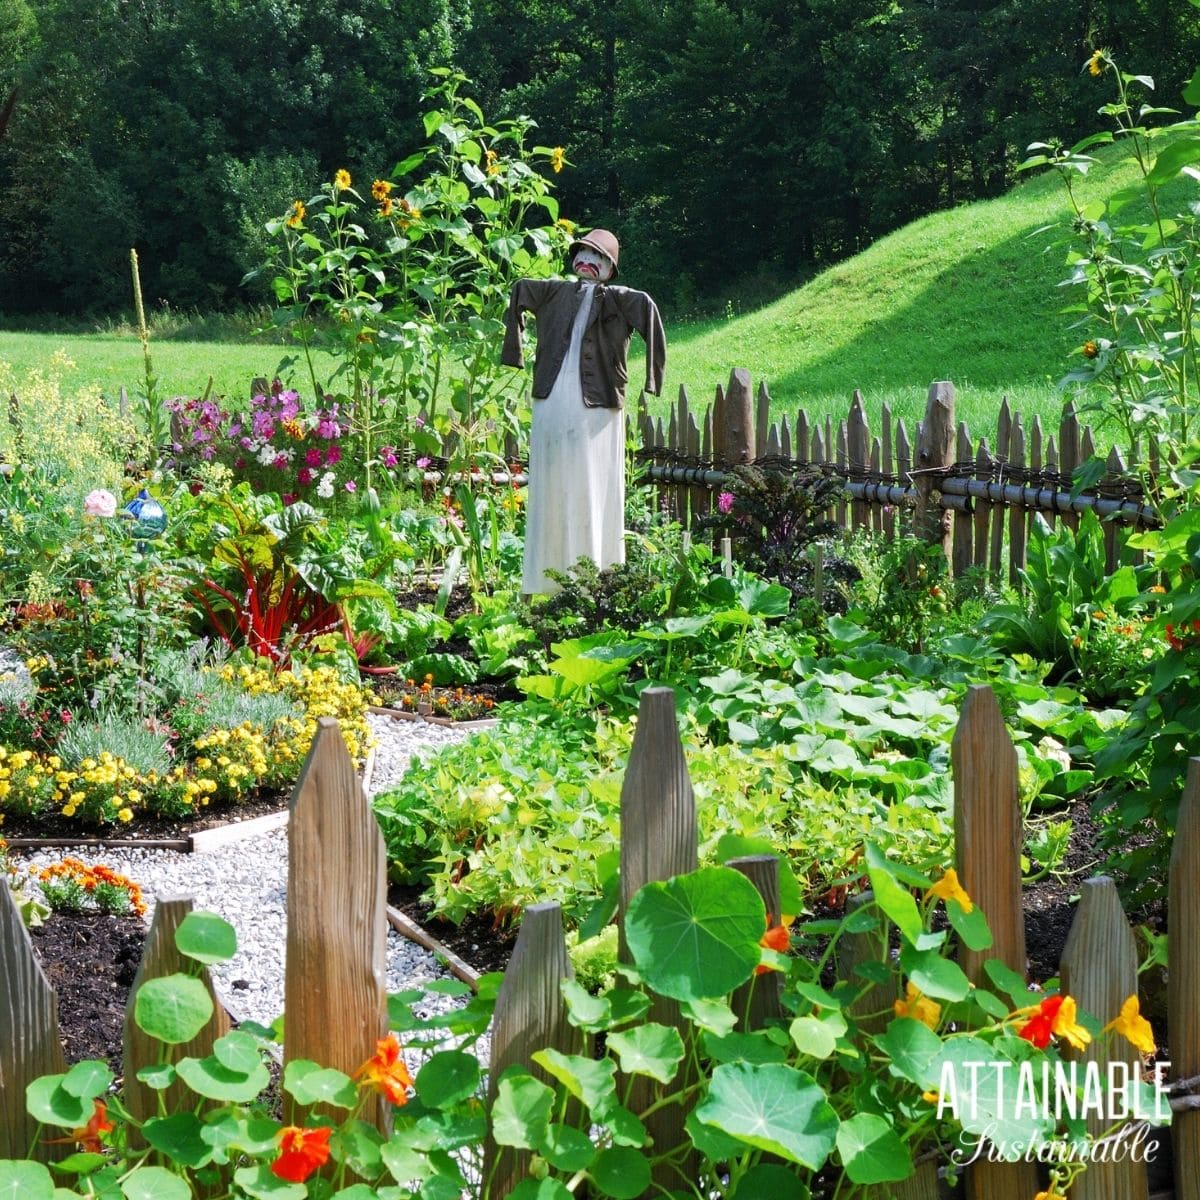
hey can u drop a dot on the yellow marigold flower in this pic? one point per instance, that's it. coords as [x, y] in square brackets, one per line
[1096, 62]
[341, 179]
[296, 216]
[948, 888]
[125, 814]
[381, 189]
[1132, 1026]
[558, 156]
[917, 1006]
[68, 810]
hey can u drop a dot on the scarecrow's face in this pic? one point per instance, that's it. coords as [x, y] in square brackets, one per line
[591, 264]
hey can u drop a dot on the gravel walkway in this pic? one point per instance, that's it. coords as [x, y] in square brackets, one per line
[246, 882]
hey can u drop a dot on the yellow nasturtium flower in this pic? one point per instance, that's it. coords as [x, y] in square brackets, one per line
[1132, 1026]
[917, 1006]
[948, 888]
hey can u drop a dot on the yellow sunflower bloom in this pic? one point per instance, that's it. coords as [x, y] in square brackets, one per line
[341, 179]
[381, 189]
[296, 216]
[558, 156]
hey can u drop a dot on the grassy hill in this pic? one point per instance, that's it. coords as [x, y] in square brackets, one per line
[971, 295]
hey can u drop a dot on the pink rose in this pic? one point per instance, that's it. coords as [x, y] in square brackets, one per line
[100, 503]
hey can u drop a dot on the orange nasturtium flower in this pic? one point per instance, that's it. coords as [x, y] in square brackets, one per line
[1132, 1026]
[1052, 1194]
[1055, 1017]
[301, 1152]
[89, 1136]
[385, 1071]
[917, 1006]
[296, 217]
[776, 938]
[948, 888]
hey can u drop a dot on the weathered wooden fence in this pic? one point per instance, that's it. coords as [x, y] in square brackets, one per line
[335, 998]
[978, 498]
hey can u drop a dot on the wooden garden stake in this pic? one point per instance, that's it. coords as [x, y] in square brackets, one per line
[335, 985]
[530, 1015]
[1183, 980]
[29, 1040]
[987, 851]
[1099, 969]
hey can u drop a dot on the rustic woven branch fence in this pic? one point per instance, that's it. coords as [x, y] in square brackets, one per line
[336, 1005]
[977, 498]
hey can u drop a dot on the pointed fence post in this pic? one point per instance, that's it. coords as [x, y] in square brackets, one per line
[737, 442]
[29, 1038]
[868, 947]
[758, 1001]
[335, 984]
[1183, 980]
[1099, 969]
[658, 840]
[987, 850]
[530, 1015]
[935, 452]
[160, 957]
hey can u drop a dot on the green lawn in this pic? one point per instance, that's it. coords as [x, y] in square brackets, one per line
[970, 295]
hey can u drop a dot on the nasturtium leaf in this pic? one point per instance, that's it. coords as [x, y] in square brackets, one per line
[224, 1131]
[207, 1077]
[625, 1127]
[157, 1076]
[626, 1005]
[356, 1191]
[934, 975]
[180, 1137]
[791, 901]
[308, 1083]
[206, 937]
[871, 1152]
[650, 1049]
[696, 936]
[774, 1108]
[770, 1179]
[441, 1187]
[712, 1016]
[621, 1172]
[447, 987]
[895, 900]
[744, 1047]
[79, 1164]
[521, 1112]
[710, 1141]
[1009, 982]
[155, 1183]
[567, 1148]
[88, 1079]
[540, 1189]
[259, 1183]
[914, 1050]
[971, 927]
[405, 1164]
[812, 1037]
[587, 1079]
[173, 1008]
[447, 1077]
[991, 1004]
[46, 1100]
[25, 1181]
[237, 1050]
[587, 1012]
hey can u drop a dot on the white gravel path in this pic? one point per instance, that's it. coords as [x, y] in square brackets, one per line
[246, 883]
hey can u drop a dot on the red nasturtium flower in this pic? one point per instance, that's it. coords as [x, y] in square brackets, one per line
[301, 1152]
[776, 938]
[386, 1072]
[89, 1136]
[1055, 1017]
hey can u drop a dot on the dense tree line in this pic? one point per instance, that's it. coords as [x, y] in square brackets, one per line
[734, 143]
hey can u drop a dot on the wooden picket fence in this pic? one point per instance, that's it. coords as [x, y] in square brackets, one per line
[977, 498]
[334, 990]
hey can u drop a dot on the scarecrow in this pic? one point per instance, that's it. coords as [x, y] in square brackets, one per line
[576, 506]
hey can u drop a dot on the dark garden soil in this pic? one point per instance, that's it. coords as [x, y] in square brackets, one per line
[477, 941]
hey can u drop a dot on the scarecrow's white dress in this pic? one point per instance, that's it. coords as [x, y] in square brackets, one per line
[576, 504]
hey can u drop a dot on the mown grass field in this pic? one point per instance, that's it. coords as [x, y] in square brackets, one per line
[971, 295]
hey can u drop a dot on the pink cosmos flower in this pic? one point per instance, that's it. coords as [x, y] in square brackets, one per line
[725, 501]
[333, 455]
[423, 463]
[387, 456]
[281, 461]
[289, 498]
[312, 456]
[351, 486]
[328, 428]
[100, 503]
[304, 477]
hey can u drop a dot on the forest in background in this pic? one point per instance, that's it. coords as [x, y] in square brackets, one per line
[736, 145]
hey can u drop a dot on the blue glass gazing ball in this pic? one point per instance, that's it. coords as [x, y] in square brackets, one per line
[148, 517]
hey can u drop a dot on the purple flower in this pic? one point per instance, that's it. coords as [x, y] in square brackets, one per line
[327, 427]
[312, 456]
[333, 454]
[289, 404]
[304, 477]
[423, 463]
[725, 501]
[263, 426]
[289, 498]
[387, 456]
[351, 486]
[419, 422]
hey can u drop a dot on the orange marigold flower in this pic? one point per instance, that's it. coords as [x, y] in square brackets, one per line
[385, 1071]
[381, 189]
[301, 1152]
[776, 938]
[296, 217]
